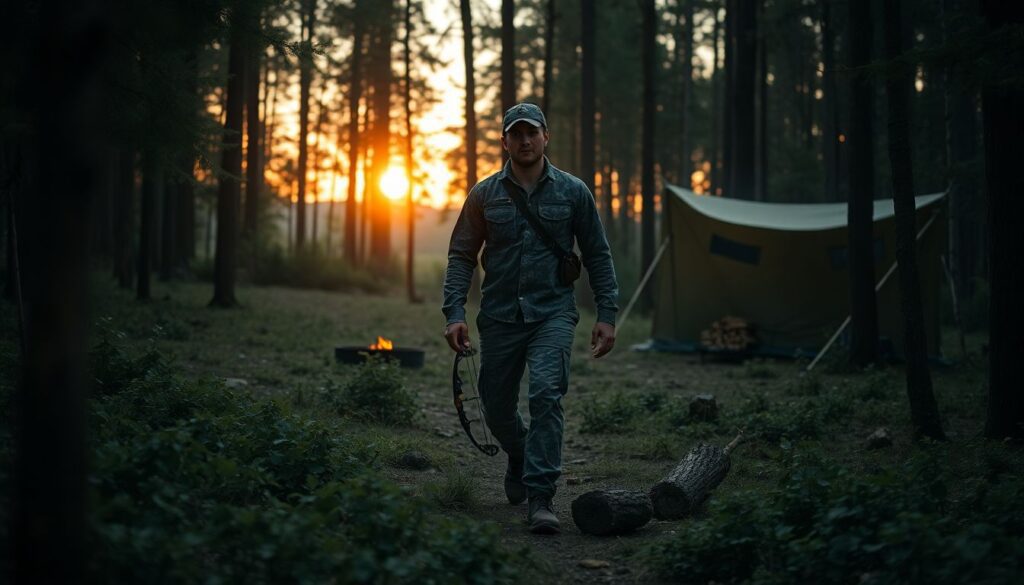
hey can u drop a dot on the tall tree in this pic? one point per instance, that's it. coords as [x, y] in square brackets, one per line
[168, 219]
[860, 206]
[742, 105]
[648, 43]
[923, 410]
[66, 44]
[355, 96]
[549, 53]
[728, 111]
[410, 280]
[830, 104]
[253, 160]
[124, 216]
[1003, 125]
[508, 59]
[717, 111]
[685, 44]
[380, 217]
[467, 57]
[960, 107]
[587, 97]
[305, 80]
[229, 190]
[151, 178]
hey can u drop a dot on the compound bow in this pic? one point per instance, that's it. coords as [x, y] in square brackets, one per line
[488, 448]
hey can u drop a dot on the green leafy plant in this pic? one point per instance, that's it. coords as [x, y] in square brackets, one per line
[376, 393]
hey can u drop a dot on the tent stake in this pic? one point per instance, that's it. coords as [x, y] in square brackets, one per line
[643, 282]
[878, 287]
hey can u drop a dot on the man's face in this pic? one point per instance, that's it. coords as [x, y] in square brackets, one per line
[525, 143]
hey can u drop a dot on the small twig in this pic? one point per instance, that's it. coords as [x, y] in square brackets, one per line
[735, 442]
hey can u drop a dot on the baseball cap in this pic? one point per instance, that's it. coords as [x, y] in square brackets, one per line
[523, 112]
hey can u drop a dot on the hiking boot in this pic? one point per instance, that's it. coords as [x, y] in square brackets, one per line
[515, 491]
[542, 520]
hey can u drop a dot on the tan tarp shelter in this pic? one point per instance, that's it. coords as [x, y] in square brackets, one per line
[782, 267]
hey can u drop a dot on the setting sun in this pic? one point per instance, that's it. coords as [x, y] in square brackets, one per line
[394, 184]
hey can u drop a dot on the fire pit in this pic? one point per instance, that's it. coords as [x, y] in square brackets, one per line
[407, 357]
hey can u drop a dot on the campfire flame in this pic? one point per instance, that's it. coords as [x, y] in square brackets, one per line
[383, 344]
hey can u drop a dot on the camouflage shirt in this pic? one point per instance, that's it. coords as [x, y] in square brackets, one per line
[521, 278]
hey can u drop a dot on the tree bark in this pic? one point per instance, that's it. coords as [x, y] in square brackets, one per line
[124, 210]
[647, 141]
[688, 485]
[549, 53]
[229, 190]
[728, 108]
[355, 96]
[253, 129]
[410, 276]
[744, 90]
[761, 166]
[830, 105]
[1003, 126]
[467, 55]
[380, 218]
[686, 96]
[305, 80]
[606, 512]
[318, 131]
[508, 59]
[923, 410]
[860, 205]
[168, 253]
[587, 97]
[64, 98]
[151, 178]
[715, 153]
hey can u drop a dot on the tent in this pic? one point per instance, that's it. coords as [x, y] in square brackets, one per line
[781, 267]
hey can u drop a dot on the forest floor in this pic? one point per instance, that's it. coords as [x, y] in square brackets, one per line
[279, 344]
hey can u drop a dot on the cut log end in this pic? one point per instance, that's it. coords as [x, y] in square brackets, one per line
[605, 512]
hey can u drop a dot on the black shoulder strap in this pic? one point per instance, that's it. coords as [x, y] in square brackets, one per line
[545, 237]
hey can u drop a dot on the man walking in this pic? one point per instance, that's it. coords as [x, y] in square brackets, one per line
[527, 217]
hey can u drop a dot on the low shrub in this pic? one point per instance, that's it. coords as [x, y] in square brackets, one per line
[824, 524]
[313, 268]
[376, 393]
[618, 413]
[192, 482]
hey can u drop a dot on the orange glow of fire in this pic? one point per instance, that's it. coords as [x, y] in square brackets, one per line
[383, 344]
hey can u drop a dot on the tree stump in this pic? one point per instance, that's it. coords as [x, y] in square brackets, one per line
[603, 512]
[689, 483]
[703, 407]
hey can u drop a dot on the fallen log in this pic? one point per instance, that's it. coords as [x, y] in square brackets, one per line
[604, 512]
[691, 481]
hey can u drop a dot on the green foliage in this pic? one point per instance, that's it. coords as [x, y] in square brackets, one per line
[456, 491]
[315, 269]
[825, 524]
[759, 369]
[191, 482]
[376, 393]
[616, 414]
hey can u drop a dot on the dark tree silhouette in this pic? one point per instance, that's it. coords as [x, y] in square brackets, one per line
[151, 177]
[647, 36]
[549, 52]
[305, 80]
[830, 104]
[467, 56]
[229, 190]
[124, 217]
[587, 94]
[1003, 123]
[861, 258]
[508, 59]
[355, 96]
[923, 410]
[741, 167]
[253, 148]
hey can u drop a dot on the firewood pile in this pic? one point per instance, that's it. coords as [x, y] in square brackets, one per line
[729, 333]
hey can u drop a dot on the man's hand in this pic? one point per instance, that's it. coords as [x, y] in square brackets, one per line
[457, 335]
[602, 339]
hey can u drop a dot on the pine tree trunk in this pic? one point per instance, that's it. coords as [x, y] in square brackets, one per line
[860, 206]
[549, 53]
[830, 105]
[410, 250]
[317, 131]
[606, 512]
[508, 59]
[253, 129]
[715, 154]
[355, 96]
[380, 218]
[467, 56]
[168, 254]
[587, 97]
[147, 225]
[728, 108]
[124, 210]
[923, 410]
[742, 166]
[685, 162]
[305, 80]
[229, 190]
[1003, 127]
[647, 142]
